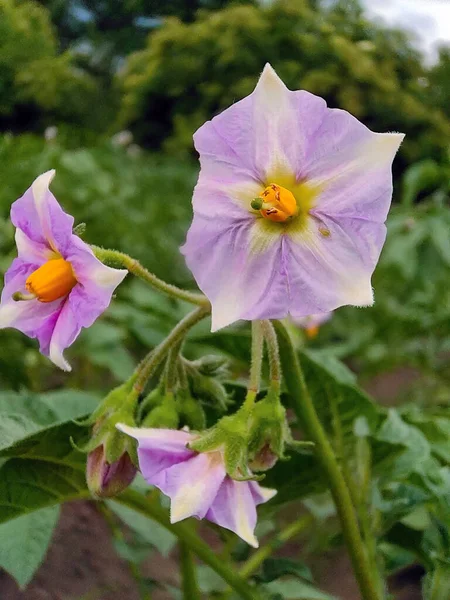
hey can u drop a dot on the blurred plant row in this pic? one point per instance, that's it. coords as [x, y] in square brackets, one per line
[161, 69]
[131, 201]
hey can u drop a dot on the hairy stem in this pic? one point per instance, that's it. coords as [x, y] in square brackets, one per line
[256, 364]
[307, 415]
[274, 355]
[118, 259]
[152, 361]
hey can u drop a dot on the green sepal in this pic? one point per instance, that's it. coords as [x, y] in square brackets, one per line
[230, 435]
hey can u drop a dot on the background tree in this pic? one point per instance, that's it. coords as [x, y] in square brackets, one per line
[190, 71]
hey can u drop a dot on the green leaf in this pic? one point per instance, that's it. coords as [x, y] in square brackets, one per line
[293, 589]
[24, 542]
[24, 414]
[418, 177]
[28, 485]
[441, 238]
[150, 531]
[45, 470]
[209, 581]
[274, 568]
[417, 451]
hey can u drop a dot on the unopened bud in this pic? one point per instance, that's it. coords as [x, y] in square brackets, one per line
[164, 416]
[192, 412]
[269, 433]
[106, 479]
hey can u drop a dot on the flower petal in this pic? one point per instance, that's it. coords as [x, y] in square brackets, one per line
[38, 214]
[235, 508]
[192, 485]
[31, 251]
[239, 267]
[325, 272]
[352, 167]
[33, 318]
[97, 281]
[261, 494]
[265, 133]
[159, 449]
[85, 303]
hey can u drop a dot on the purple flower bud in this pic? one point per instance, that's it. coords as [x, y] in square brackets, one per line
[106, 479]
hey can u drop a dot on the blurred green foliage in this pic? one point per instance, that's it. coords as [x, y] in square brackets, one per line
[39, 84]
[162, 69]
[190, 71]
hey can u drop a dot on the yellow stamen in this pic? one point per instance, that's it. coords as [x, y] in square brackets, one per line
[279, 204]
[55, 279]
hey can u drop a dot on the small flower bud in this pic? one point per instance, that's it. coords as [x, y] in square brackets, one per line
[269, 433]
[211, 365]
[106, 479]
[191, 412]
[164, 416]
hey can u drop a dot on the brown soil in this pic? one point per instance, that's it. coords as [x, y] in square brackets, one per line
[83, 565]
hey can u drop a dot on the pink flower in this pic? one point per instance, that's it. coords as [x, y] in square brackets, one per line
[56, 286]
[289, 208]
[197, 484]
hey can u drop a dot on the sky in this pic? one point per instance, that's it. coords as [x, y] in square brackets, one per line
[428, 19]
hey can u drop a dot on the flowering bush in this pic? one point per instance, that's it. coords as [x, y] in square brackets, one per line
[289, 215]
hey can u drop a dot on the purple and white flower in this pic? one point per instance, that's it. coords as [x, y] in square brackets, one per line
[197, 484]
[56, 286]
[289, 208]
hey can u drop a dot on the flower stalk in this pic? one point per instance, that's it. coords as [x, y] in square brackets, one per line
[307, 415]
[114, 257]
[152, 361]
[190, 588]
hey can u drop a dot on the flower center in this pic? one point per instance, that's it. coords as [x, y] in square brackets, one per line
[276, 203]
[55, 279]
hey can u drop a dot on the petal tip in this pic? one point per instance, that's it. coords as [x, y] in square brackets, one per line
[56, 356]
[270, 81]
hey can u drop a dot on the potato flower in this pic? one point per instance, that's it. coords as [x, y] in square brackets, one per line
[197, 483]
[56, 286]
[289, 208]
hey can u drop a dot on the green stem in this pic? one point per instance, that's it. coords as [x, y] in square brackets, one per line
[293, 529]
[256, 364]
[274, 355]
[190, 587]
[120, 259]
[151, 508]
[306, 413]
[152, 361]
[358, 493]
[171, 369]
[257, 356]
